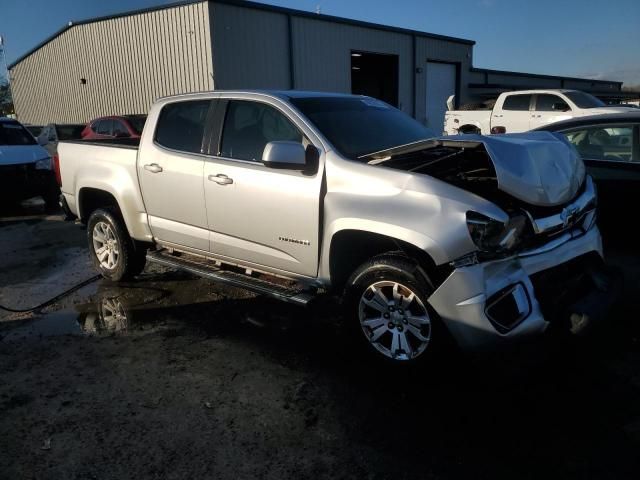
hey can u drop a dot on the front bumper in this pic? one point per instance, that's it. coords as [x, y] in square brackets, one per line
[464, 298]
[19, 182]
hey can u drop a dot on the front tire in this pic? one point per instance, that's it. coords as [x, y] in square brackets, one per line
[113, 251]
[387, 310]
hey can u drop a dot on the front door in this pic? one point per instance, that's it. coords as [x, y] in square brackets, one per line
[259, 215]
[441, 84]
[548, 109]
[170, 173]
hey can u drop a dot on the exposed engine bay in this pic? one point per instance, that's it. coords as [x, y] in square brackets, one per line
[538, 179]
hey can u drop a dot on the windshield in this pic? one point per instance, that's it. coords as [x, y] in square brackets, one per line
[359, 126]
[69, 132]
[584, 100]
[12, 133]
[34, 129]
[137, 122]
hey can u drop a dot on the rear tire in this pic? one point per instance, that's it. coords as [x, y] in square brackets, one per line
[387, 312]
[113, 252]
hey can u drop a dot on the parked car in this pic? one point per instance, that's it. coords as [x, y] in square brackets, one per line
[520, 111]
[610, 148]
[316, 192]
[125, 126]
[25, 167]
[51, 134]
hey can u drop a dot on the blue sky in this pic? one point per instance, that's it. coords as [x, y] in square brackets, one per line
[591, 38]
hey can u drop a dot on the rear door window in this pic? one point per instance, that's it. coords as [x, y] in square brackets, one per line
[608, 143]
[181, 125]
[249, 126]
[104, 127]
[545, 103]
[517, 102]
[119, 129]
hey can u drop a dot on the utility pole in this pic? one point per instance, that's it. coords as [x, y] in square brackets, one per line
[3, 59]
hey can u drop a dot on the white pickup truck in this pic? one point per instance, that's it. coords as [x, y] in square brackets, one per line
[522, 111]
[291, 194]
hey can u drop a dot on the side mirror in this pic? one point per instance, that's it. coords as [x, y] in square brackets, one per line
[291, 155]
[561, 107]
[42, 141]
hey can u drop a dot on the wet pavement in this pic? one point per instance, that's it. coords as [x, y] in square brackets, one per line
[171, 376]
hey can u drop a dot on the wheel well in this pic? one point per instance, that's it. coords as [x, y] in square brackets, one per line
[351, 248]
[90, 199]
[469, 129]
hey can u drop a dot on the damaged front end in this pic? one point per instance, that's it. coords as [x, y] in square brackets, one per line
[537, 179]
[502, 289]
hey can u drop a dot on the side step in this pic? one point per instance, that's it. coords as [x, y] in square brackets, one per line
[204, 268]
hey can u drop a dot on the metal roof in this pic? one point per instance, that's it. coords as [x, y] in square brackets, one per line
[539, 75]
[252, 5]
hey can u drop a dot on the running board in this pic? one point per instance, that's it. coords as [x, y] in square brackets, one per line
[204, 268]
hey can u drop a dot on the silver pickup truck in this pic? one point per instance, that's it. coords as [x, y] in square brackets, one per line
[486, 240]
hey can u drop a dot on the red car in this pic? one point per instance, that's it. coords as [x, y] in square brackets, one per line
[124, 126]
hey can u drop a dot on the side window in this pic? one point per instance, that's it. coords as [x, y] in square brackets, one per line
[104, 127]
[119, 129]
[181, 125]
[545, 103]
[612, 143]
[51, 133]
[517, 102]
[249, 126]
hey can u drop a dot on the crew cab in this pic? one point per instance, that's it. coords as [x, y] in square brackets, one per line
[297, 194]
[525, 110]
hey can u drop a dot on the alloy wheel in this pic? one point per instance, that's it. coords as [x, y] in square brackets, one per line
[394, 320]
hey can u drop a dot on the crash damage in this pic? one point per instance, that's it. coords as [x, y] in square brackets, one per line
[543, 263]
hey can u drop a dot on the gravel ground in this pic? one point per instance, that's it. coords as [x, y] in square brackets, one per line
[174, 377]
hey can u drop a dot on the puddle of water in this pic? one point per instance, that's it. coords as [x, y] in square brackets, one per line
[50, 325]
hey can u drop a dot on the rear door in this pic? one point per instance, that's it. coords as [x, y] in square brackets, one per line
[170, 170]
[514, 114]
[259, 215]
[549, 108]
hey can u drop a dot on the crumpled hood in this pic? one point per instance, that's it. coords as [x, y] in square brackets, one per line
[19, 154]
[539, 168]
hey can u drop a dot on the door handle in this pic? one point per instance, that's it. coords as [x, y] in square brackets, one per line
[497, 116]
[221, 179]
[153, 167]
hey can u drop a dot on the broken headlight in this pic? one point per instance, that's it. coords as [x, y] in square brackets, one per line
[491, 235]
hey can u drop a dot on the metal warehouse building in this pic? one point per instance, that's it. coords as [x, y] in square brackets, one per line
[121, 64]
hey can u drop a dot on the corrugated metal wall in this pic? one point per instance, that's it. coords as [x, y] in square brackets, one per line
[430, 50]
[127, 62]
[322, 55]
[250, 48]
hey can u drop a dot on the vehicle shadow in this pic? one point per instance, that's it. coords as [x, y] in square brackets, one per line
[559, 406]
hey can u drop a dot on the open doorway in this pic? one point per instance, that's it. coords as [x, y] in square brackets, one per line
[375, 75]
